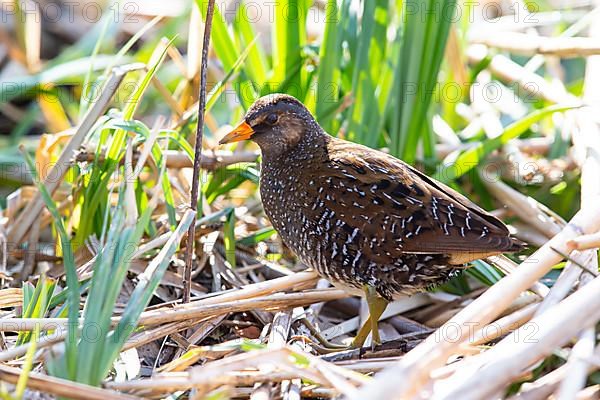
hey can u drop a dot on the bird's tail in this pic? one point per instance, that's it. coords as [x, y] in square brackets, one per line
[516, 245]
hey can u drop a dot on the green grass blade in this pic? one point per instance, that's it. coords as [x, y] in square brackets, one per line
[27, 366]
[70, 269]
[257, 237]
[257, 65]
[229, 239]
[329, 71]
[69, 72]
[228, 52]
[148, 282]
[288, 39]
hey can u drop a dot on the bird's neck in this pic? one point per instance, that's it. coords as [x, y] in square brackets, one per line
[312, 146]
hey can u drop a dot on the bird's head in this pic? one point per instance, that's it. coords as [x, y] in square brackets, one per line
[276, 122]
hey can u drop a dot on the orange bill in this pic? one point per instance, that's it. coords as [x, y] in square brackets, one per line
[242, 132]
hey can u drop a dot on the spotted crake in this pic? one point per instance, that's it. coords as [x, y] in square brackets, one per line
[363, 219]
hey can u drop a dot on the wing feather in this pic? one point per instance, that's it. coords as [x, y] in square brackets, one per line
[399, 203]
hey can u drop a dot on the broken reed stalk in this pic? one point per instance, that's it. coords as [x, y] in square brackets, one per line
[585, 142]
[278, 337]
[433, 352]
[525, 207]
[512, 356]
[198, 311]
[238, 369]
[257, 291]
[61, 387]
[543, 387]
[526, 44]
[187, 274]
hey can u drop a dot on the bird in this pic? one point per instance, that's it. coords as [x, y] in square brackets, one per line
[366, 221]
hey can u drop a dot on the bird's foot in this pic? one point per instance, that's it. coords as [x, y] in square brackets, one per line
[318, 341]
[376, 305]
[321, 347]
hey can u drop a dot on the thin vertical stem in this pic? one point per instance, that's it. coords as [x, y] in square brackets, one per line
[187, 275]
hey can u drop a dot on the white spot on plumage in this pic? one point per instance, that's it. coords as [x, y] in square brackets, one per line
[353, 235]
[356, 258]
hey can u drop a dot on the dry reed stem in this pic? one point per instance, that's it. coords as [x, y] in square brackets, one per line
[589, 393]
[211, 160]
[234, 378]
[33, 209]
[167, 96]
[169, 382]
[33, 32]
[198, 311]
[529, 234]
[44, 341]
[525, 207]
[155, 333]
[519, 350]
[270, 302]
[61, 387]
[229, 370]
[504, 325]
[289, 282]
[187, 272]
[205, 329]
[586, 142]
[585, 242]
[413, 369]
[527, 44]
[563, 285]
[508, 266]
[543, 387]
[11, 297]
[530, 83]
[192, 354]
[280, 329]
[577, 365]
[368, 365]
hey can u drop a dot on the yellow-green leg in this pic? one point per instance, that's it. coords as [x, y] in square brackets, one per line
[377, 306]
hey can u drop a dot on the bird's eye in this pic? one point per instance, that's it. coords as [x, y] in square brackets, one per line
[272, 118]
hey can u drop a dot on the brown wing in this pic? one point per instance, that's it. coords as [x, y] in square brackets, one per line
[399, 204]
